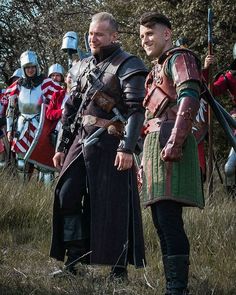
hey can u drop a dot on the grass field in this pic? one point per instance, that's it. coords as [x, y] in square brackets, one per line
[25, 227]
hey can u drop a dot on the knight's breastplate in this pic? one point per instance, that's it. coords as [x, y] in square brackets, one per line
[29, 100]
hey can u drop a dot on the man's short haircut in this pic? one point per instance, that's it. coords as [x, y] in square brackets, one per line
[105, 16]
[150, 19]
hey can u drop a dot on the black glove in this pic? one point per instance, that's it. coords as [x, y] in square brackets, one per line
[3, 122]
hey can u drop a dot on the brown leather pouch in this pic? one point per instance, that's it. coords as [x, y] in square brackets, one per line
[156, 101]
[165, 132]
[104, 101]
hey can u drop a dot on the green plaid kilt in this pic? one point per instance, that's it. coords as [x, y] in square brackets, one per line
[178, 181]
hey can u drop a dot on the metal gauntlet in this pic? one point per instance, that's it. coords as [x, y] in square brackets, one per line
[183, 125]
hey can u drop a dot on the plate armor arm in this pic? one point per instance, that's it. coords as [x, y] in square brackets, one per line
[133, 77]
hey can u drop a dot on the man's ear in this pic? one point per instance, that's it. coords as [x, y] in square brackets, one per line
[114, 36]
[167, 34]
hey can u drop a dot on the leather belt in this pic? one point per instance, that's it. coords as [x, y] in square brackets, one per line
[89, 120]
[152, 125]
[114, 127]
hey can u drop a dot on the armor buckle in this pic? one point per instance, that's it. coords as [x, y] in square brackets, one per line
[89, 120]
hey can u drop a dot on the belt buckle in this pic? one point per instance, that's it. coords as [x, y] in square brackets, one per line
[89, 120]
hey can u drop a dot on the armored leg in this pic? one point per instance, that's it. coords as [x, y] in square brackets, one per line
[24, 170]
[46, 177]
[3, 162]
[230, 173]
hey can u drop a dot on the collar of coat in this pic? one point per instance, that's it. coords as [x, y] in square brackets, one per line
[106, 51]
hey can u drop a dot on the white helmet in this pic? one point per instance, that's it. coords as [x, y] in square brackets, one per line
[56, 68]
[234, 51]
[17, 74]
[29, 58]
[70, 42]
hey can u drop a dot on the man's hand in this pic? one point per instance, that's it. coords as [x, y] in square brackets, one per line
[123, 161]
[140, 178]
[58, 160]
[171, 153]
[209, 60]
[9, 136]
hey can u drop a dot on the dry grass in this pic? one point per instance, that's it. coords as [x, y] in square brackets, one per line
[25, 220]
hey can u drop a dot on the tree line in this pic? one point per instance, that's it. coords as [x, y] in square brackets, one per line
[40, 25]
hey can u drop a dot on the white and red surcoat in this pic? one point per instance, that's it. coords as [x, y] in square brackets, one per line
[56, 106]
[25, 103]
[4, 102]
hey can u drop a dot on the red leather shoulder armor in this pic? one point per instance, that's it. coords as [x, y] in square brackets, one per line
[185, 68]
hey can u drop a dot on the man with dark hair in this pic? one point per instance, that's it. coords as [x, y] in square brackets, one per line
[96, 208]
[171, 174]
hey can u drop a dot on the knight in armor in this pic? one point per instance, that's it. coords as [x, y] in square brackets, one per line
[23, 112]
[4, 99]
[96, 208]
[56, 73]
[171, 174]
[2, 131]
[225, 82]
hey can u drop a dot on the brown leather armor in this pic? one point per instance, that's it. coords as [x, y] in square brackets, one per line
[187, 111]
[119, 77]
[184, 69]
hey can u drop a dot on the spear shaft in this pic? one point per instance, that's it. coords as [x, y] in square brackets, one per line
[210, 120]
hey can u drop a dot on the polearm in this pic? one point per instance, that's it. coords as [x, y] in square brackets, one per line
[210, 121]
[70, 45]
[222, 116]
[83, 54]
[86, 41]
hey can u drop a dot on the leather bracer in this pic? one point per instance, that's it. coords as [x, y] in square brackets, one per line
[132, 133]
[183, 126]
[65, 139]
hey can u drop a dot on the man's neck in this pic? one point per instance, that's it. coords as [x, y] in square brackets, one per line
[167, 47]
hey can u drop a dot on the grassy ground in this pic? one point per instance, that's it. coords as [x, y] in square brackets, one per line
[25, 225]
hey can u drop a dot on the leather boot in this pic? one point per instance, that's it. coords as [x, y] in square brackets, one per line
[167, 274]
[75, 254]
[178, 267]
[119, 273]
